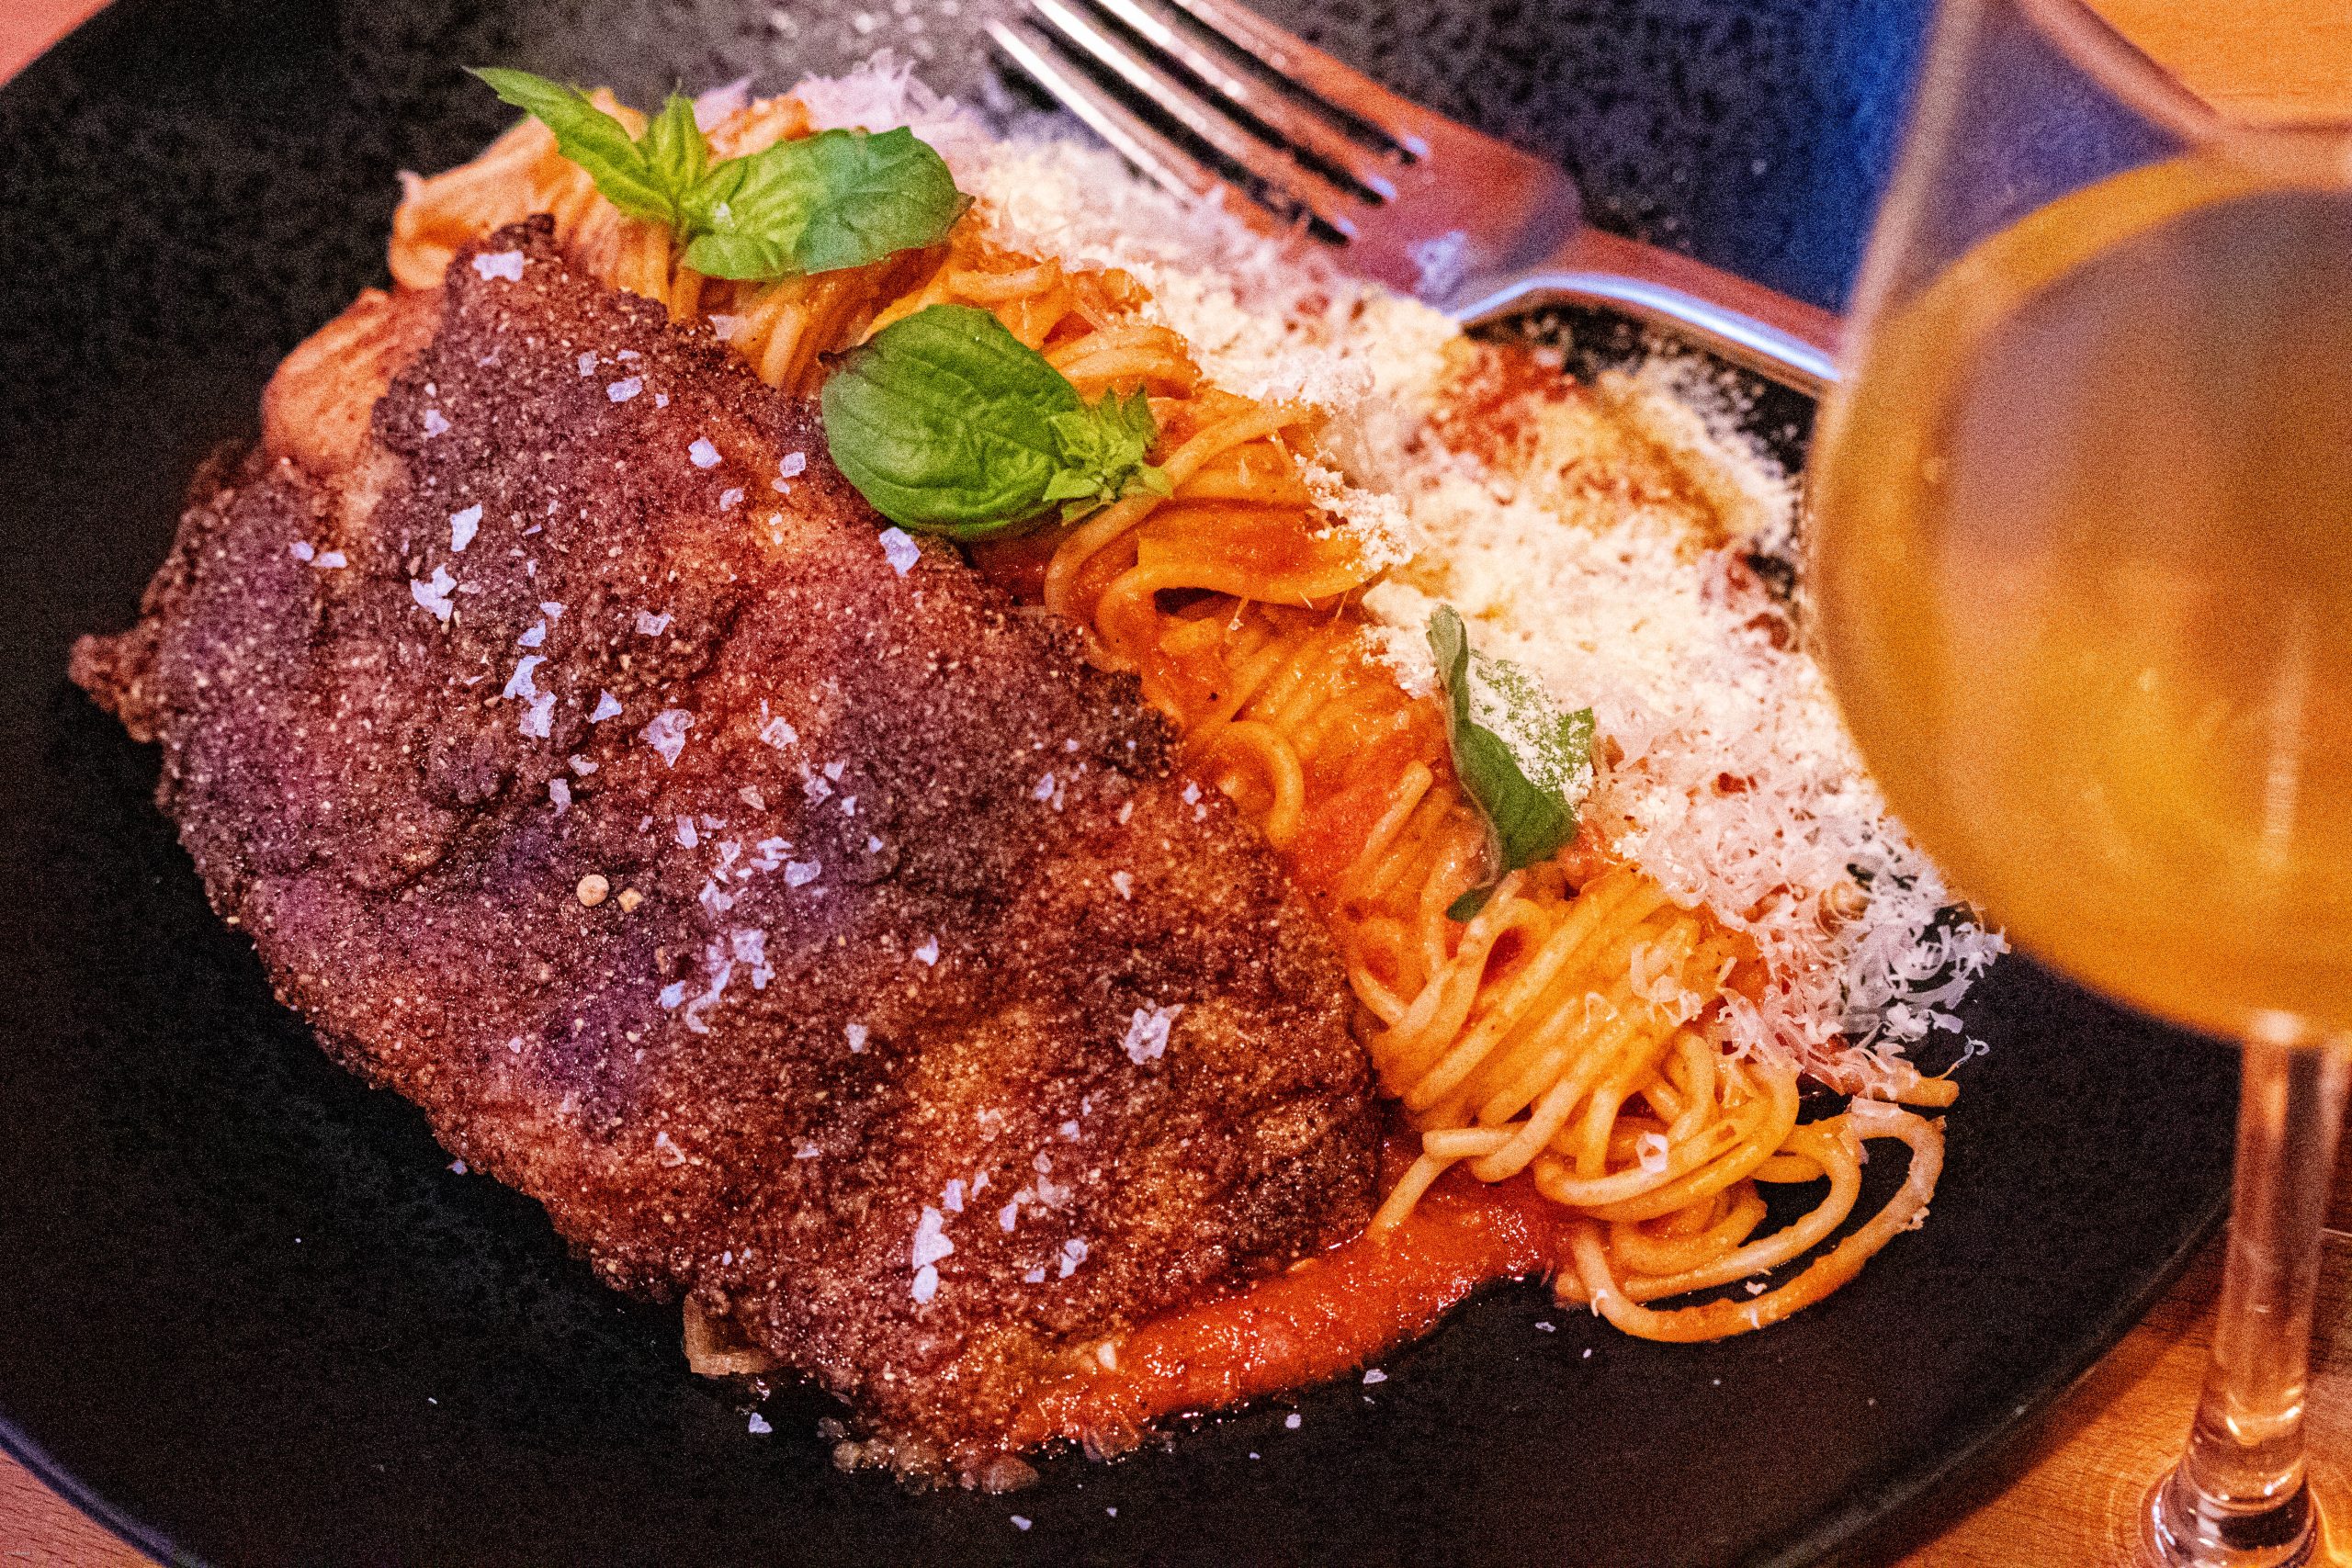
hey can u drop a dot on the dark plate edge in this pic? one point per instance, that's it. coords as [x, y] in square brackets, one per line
[1871, 1522]
[85, 1497]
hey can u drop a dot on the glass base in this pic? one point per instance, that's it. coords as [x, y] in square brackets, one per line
[2184, 1529]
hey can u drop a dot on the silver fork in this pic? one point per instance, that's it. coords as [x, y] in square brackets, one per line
[1470, 224]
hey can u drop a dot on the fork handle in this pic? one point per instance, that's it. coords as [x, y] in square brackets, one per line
[1782, 339]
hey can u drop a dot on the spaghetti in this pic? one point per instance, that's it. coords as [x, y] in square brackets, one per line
[1559, 1038]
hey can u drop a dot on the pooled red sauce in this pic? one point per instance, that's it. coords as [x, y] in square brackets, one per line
[1323, 1316]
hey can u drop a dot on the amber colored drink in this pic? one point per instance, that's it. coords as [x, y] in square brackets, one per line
[2085, 584]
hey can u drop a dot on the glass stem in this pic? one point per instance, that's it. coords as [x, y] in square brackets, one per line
[2239, 1498]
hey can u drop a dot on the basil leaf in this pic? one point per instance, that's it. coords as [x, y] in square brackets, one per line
[949, 423]
[674, 149]
[1102, 451]
[1524, 762]
[594, 141]
[836, 200]
[816, 204]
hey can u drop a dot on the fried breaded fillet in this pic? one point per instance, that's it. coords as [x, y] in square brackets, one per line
[812, 931]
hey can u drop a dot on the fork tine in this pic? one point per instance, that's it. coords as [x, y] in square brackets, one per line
[1341, 86]
[1133, 138]
[1286, 116]
[1281, 177]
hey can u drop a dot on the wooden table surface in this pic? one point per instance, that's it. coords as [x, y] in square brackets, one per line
[2067, 1493]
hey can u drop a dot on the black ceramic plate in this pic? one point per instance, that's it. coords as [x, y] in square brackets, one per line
[249, 1315]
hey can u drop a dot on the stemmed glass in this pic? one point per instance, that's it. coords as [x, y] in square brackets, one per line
[2082, 569]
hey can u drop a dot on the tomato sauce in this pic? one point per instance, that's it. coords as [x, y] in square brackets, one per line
[1321, 1317]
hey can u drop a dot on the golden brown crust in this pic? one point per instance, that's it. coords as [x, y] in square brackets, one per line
[316, 407]
[691, 1101]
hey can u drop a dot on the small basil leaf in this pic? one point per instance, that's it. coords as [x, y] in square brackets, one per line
[591, 139]
[1465, 908]
[1102, 451]
[1525, 761]
[814, 204]
[944, 421]
[947, 423]
[674, 146]
[741, 256]
[836, 200]
[1072, 484]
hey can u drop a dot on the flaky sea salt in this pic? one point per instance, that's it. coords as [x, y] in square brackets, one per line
[900, 550]
[702, 454]
[1147, 1036]
[507, 265]
[625, 389]
[433, 593]
[931, 1242]
[666, 733]
[520, 684]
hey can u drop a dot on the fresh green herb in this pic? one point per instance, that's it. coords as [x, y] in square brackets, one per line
[950, 424]
[1525, 761]
[818, 203]
[838, 198]
[1102, 449]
